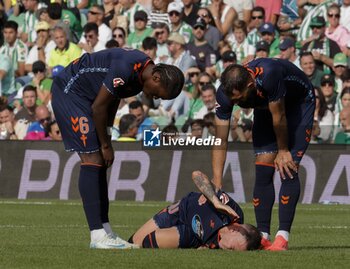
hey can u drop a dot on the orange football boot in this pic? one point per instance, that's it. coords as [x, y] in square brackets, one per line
[280, 244]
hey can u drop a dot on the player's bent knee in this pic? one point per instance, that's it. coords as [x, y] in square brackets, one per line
[150, 241]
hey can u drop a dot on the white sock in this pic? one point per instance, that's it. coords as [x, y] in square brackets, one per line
[265, 235]
[97, 235]
[107, 227]
[284, 234]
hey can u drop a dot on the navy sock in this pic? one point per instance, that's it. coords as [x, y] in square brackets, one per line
[90, 194]
[264, 196]
[104, 201]
[288, 199]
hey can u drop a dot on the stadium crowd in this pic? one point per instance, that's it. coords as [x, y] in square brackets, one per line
[39, 38]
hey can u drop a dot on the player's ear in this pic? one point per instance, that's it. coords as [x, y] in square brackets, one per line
[156, 78]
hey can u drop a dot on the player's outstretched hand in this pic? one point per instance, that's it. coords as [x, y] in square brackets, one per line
[108, 155]
[226, 210]
[284, 164]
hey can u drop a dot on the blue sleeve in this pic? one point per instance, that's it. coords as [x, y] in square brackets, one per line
[223, 105]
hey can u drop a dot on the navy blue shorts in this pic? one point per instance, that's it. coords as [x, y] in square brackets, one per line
[170, 217]
[299, 119]
[74, 117]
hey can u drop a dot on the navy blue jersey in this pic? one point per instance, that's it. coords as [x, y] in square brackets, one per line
[275, 78]
[76, 87]
[118, 69]
[205, 221]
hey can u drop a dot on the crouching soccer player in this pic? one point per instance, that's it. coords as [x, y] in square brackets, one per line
[85, 98]
[190, 223]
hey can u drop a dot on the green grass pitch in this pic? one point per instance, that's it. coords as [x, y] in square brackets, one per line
[53, 234]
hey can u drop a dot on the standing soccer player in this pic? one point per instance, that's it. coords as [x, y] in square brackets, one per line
[85, 98]
[284, 102]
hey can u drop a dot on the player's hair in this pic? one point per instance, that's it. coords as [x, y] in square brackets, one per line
[11, 24]
[125, 123]
[253, 237]
[171, 77]
[90, 26]
[235, 77]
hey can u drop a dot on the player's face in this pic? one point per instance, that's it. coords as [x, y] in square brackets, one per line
[243, 98]
[234, 237]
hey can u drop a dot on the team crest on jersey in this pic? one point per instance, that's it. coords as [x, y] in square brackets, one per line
[197, 226]
[118, 82]
[224, 198]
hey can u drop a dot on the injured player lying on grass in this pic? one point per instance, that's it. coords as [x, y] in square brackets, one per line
[215, 221]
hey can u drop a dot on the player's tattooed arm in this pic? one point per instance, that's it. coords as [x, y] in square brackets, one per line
[207, 188]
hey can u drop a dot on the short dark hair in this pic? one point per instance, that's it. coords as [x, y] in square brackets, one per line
[125, 123]
[90, 26]
[171, 77]
[11, 24]
[149, 43]
[135, 104]
[258, 9]
[29, 88]
[208, 87]
[55, 11]
[112, 44]
[253, 237]
[7, 107]
[235, 77]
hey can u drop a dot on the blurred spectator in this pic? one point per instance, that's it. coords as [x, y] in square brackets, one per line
[159, 12]
[65, 51]
[200, 49]
[267, 31]
[141, 31]
[177, 25]
[14, 48]
[143, 122]
[120, 36]
[41, 82]
[212, 34]
[125, 9]
[149, 46]
[262, 49]
[289, 18]
[257, 20]
[336, 32]
[340, 63]
[227, 57]
[7, 77]
[28, 34]
[192, 80]
[344, 102]
[316, 131]
[239, 43]
[128, 128]
[190, 11]
[272, 9]
[57, 14]
[161, 33]
[209, 123]
[223, 15]
[327, 88]
[208, 96]
[170, 132]
[345, 14]
[324, 116]
[242, 125]
[197, 127]
[322, 48]
[108, 6]
[29, 97]
[307, 64]
[92, 38]
[343, 137]
[288, 51]
[53, 131]
[242, 7]
[9, 127]
[95, 14]
[42, 48]
[36, 130]
[179, 56]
